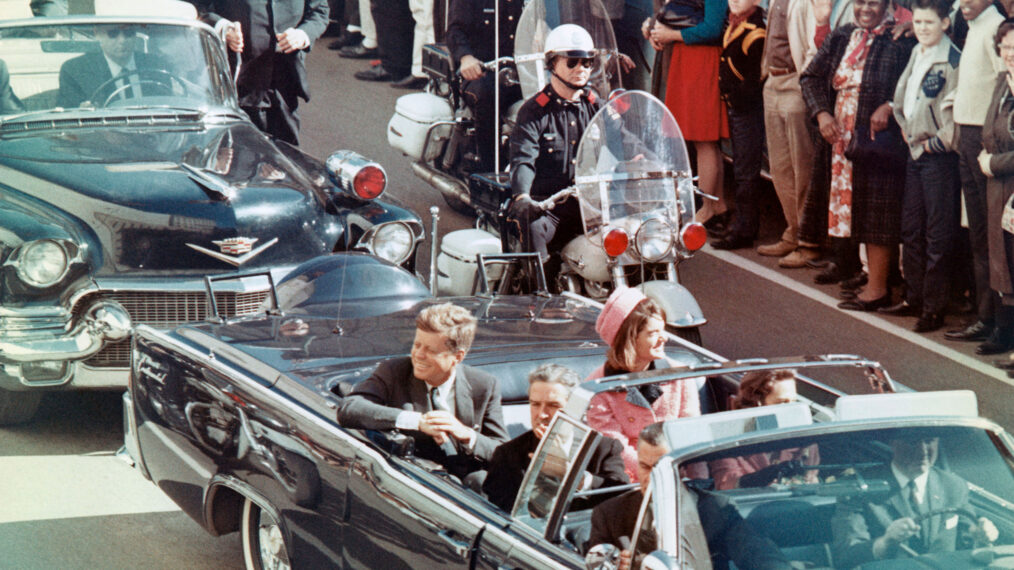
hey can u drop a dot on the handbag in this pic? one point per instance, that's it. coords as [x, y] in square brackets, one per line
[681, 14]
[1007, 217]
[887, 145]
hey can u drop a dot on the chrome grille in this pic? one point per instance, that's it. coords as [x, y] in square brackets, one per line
[167, 309]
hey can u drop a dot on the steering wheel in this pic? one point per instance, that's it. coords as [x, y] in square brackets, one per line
[960, 512]
[158, 77]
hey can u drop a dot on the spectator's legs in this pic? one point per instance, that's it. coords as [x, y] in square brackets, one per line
[368, 29]
[394, 36]
[790, 149]
[973, 186]
[913, 232]
[941, 191]
[422, 14]
[746, 129]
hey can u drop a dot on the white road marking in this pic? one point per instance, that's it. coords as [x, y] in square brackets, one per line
[50, 487]
[872, 320]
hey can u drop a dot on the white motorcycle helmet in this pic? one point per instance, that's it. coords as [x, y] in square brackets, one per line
[569, 40]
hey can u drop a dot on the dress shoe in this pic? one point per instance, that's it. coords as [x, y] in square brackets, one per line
[780, 248]
[1004, 363]
[928, 322]
[733, 242]
[858, 304]
[375, 73]
[718, 225]
[359, 52]
[848, 293]
[902, 309]
[798, 258]
[346, 39]
[1002, 340]
[831, 274]
[855, 282]
[975, 332]
[820, 263]
[410, 82]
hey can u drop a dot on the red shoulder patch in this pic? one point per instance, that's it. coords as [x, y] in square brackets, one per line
[542, 99]
[591, 96]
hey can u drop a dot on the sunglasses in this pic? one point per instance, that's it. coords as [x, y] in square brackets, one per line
[117, 32]
[585, 62]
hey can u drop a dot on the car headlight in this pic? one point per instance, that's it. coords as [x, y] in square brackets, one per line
[654, 240]
[42, 263]
[392, 242]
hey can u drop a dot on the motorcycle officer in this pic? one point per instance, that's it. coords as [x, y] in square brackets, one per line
[544, 143]
[471, 42]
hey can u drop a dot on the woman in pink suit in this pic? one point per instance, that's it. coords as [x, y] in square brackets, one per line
[765, 388]
[633, 326]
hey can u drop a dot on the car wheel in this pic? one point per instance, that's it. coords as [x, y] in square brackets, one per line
[18, 407]
[456, 204]
[264, 545]
[690, 334]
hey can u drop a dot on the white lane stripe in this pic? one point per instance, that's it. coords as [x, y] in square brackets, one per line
[69, 486]
[890, 328]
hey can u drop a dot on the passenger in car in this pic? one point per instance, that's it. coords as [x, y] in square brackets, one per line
[765, 388]
[9, 102]
[82, 76]
[549, 387]
[633, 326]
[865, 531]
[452, 410]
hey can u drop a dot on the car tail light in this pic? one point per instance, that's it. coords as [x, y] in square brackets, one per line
[615, 242]
[694, 236]
[369, 182]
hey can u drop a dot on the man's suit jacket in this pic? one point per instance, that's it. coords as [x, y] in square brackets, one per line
[81, 76]
[856, 523]
[510, 461]
[263, 69]
[376, 402]
[615, 518]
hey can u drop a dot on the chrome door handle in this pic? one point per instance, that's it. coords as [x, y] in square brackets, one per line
[459, 547]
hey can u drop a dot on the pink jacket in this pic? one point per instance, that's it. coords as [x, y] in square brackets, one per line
[727, 472]
[622, 415]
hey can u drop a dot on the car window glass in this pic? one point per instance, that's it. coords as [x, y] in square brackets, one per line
[645, 539]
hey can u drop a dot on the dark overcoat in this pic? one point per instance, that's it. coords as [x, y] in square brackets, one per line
[997, 140]
[877, 186]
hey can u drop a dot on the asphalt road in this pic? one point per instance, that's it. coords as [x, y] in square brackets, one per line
[65, 502]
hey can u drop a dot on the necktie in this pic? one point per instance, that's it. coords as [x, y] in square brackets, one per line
[913, 499]
[435, 403]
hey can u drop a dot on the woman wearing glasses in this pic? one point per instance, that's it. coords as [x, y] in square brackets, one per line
[544, 144]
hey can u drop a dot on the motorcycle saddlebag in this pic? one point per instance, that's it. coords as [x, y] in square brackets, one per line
[436, 62]
[489, 190]
[414, 114]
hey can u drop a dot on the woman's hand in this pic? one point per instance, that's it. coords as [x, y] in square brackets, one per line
[822, 12]
[662, 35]
[878, 121]
[829, 127]
[646, 27]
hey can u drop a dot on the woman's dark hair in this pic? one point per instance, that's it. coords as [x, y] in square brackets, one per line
[755, 386]
[941, 7]
[1005, 27]
[622, 354]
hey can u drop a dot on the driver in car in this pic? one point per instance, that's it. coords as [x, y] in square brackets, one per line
[82, 76]
[916, 517]
[544, 146]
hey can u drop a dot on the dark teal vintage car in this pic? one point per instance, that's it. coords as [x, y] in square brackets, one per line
[118, 195]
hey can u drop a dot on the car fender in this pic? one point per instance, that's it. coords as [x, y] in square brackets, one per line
[680, 306]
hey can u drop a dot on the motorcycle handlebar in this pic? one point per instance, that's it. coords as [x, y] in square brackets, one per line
[552, 201]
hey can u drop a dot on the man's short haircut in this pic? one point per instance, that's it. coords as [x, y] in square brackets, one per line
[652, 434]
[554, 374]
[450, 320]
[941, 7]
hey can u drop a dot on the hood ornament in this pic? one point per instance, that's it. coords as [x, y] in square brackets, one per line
[235, 251]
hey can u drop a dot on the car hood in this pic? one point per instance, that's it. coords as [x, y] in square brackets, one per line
[146, 195]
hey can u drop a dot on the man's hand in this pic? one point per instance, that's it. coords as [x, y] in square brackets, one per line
[662, 35]
[471, 68]
[879, 119]
[524, 207]
[822, 11]
[897, 532]
[984, 158]
[292, 40]
[625, 560]
[829, 127]
[440, 423]
[902, 30]
[985, 532]
[234, 37]
[626, 63]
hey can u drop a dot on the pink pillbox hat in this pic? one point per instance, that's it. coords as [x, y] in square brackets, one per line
[618, 307]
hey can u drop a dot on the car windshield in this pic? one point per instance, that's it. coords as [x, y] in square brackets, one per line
[826, 499]
[116, 65]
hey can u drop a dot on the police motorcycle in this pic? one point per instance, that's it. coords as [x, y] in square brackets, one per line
[636, 194]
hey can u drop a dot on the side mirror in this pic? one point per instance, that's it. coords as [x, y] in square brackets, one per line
[602, 557]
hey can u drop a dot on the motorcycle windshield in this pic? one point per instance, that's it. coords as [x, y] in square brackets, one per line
[632, 167]
[540, 17]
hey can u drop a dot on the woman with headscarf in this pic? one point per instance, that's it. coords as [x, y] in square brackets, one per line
[848, 88]
[633, 326]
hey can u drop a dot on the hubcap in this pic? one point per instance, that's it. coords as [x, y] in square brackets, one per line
[272, 545]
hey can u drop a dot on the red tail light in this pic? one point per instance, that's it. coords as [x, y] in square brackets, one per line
[369, 182]
[615, 242]
[694, 236]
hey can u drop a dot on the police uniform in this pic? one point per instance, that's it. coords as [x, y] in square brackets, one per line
[543, 155]
[470, 32]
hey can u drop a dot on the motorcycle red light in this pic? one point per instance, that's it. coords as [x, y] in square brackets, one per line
[615, 242]
[369, 182]
[694, 236]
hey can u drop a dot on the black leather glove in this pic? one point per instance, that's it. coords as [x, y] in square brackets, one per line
[764, 477]
[524, 207]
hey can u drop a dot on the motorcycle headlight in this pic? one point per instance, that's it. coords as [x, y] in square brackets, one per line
[42, 263]
[654, 240]
[392, 242]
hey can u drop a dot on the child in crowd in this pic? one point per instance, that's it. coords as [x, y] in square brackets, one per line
[930, 207]
[741, 87]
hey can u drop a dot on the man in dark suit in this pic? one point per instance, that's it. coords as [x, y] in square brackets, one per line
[81, 77]
[272, 38]
[873, 530]
[549, 387]
[452, 410]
